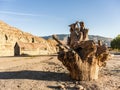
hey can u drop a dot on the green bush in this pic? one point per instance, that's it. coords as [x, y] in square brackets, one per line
[115, 43]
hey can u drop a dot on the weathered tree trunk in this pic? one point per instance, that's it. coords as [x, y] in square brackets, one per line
[84, 63]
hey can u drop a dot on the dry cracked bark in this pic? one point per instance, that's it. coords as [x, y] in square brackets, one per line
[83, 63]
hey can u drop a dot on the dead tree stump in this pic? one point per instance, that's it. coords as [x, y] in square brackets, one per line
[84, 63]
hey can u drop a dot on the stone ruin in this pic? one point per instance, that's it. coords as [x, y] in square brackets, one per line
[27, 44]
[82, 57]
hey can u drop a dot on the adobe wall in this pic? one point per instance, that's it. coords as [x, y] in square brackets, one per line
[6, 50]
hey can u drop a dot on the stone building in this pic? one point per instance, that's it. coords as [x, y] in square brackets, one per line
[13, 41]
[22, 48]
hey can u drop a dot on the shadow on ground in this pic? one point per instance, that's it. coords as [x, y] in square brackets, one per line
[117, 53]
[35, 75]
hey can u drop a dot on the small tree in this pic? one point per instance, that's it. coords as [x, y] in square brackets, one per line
[115, 43]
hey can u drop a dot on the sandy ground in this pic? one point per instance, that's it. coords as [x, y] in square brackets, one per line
[47, 73]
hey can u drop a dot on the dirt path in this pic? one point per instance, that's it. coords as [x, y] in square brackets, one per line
[47, 73]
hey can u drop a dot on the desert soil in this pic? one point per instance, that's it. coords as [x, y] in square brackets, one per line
[47, 73]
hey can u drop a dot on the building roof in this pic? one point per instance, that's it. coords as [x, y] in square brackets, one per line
[30, 46]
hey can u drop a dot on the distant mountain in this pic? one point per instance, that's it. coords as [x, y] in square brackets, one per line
[60, 36]
[105, 40]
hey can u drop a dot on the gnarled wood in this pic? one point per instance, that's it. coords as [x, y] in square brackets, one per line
[82, 57]
[85, 63]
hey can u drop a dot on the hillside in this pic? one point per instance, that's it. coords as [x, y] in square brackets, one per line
[91, 37]
[10, 35]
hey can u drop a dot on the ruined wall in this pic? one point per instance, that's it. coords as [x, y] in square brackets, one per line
[10, 35]
[6, 49]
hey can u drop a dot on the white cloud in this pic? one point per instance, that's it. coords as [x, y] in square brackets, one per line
[9, 13]
[7, 0]
[19, 13]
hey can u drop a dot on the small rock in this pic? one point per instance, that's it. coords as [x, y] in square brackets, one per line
[18, 86]
[80, 87]
[61, 87]
[71, 85]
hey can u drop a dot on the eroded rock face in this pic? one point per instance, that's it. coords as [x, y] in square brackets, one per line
[10, 35]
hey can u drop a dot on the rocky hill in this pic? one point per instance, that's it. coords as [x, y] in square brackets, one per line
[10, 35]
[91, 37]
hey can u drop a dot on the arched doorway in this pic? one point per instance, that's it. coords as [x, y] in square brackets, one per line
[16, 50]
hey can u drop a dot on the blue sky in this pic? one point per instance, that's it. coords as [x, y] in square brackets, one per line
[47, 17]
